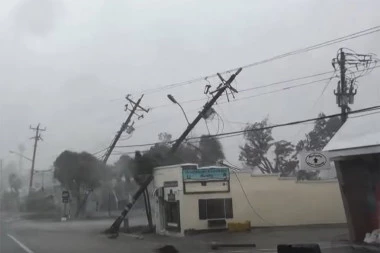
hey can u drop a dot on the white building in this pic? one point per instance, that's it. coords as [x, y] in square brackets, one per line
[189, 198]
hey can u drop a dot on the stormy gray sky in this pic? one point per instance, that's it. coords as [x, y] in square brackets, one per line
[68, 64]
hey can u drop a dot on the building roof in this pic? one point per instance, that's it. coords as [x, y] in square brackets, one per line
[359, 135]
[175, 166]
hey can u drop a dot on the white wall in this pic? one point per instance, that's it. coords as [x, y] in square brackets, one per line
[275, 202]
[170, 173]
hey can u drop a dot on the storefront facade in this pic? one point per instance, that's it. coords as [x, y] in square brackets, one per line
[188, 198]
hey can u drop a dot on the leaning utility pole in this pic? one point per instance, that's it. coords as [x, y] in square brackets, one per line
[136, 105]
[114, 229]
[125, 126]
[346, 90]
[36, 138]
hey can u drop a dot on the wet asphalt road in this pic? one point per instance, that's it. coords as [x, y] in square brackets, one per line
[86, 236]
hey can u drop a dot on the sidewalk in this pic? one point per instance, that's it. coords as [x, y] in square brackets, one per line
[330, 239]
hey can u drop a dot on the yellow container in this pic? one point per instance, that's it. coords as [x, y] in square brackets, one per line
[239, 226]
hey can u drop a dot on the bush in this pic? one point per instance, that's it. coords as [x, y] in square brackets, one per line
[39, 202]
[9, 201]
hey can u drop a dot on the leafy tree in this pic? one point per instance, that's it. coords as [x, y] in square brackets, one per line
[259, 143]
[316, 140]
[125, 166]
[323, 131]
[78, 171]
[211, 150]
[285, 162]
[15, 182]
[165, 138]
[158, 155]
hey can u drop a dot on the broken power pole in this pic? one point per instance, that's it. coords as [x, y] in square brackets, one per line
[36, 138]
[114, 229]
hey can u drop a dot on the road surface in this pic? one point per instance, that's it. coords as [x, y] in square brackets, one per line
[29, 236]
[8, 243]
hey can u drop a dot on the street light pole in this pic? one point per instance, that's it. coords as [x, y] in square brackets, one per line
[20, 155]
[180, 106]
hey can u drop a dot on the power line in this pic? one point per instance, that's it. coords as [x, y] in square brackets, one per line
[235, 133]
[359, 116]
[249, 202]
[253, 88]
[260, 94]
[237, 169]
[287, 81]
[97, 152]
[269, 85]
[278, 90]
[277, 57]
[240, 132]
[315, 103]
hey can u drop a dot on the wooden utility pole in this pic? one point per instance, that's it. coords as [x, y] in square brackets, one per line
[36, 138]
[136, 105]
[114, 229]
[346, 89]
[342, 66]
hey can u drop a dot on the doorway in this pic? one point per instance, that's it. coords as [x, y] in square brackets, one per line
[172, 216]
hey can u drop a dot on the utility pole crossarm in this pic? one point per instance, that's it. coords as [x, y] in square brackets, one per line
[137, 104]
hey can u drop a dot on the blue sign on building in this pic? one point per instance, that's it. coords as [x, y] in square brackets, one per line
[206, 174]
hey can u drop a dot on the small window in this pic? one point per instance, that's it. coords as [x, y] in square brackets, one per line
[215, 209]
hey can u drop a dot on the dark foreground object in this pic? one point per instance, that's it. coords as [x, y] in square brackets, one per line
[298, 248]
[167, 249]
[232, 245]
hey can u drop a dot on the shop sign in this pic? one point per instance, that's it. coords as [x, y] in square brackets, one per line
[314, 161]
[206, 174]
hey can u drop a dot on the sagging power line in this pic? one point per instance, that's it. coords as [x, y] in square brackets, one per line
[241, 132]
[274, 84]
[277, 57]
[300, 85]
